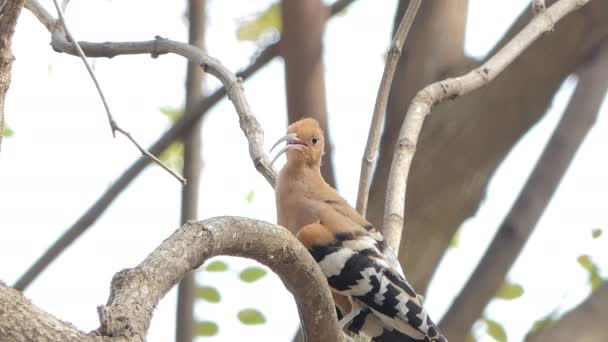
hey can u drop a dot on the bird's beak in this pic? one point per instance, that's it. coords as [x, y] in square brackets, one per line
[293, 142]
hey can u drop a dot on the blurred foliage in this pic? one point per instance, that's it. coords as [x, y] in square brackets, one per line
[495, 330]
[216, 266]
[210, 294]
[595, 279]
[7, 131]
[173, 156]
[251, 317]
[470, 338]
[269, 20]
[251, 274]
[510, 291]
[249, 197]
[455, 242]
[206, 328]
[173, 114]
[596, 232]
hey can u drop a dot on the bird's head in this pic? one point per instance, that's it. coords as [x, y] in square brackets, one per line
[305, 143]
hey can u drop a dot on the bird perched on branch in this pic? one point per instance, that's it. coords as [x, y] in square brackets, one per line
[351, 252]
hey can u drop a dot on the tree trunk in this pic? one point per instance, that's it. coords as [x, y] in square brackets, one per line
[302, 49]
[519, 224]
[8, 18]
[192, 167]
[585, 323]
[464, 141]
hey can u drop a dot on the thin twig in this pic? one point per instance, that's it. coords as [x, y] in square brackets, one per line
[113, 125]
[179, 128]
[450, 89]
[371, 148]
[71, 38]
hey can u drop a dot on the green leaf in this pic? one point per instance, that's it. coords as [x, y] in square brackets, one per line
[251, 317]
[585, 261]
[216, 266]
[496, 330]
[251, 274]
[173, 156]
[206, 328]
[173, 114]
[269, 19]
[455, 242]
[209, 294]
[596, 232]
[7, 131]
[596, 280]
[510, 291]
[250, 196]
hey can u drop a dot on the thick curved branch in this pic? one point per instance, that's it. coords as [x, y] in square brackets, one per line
[135, 292]
[450, 89]
[373, 138]
[578, 119]
[179, 128]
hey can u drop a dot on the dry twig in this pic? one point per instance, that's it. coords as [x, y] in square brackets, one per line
[450, 89]
[113, 125]
[373, 137]
[179, 128]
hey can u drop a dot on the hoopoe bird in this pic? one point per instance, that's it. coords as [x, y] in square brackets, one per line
[352, 254]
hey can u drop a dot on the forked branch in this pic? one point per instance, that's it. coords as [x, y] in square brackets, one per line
[450, 89]
[371, 148]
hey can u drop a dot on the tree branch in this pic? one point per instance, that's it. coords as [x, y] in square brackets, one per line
[113, 124]
[373, 137]
[586, 322]
[450, 89]
[8, 18]
[135, 292]
[179, 128]
[579, 117]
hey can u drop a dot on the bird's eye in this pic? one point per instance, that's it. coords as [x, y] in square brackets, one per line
[314, 140]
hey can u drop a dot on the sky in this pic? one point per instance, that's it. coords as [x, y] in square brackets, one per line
[62, 157]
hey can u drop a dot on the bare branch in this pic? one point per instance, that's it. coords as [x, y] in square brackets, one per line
[578, 119]
[371, 148]
[8, 18]
[450, 89]
[135, 292]
[179, 128]
[113, 125]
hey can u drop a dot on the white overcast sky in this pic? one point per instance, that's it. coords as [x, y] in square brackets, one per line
[62, 157]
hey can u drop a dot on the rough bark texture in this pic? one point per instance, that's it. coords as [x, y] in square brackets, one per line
[585, 323]
[135, 292]
[302, 49]
[20, 321]
[184, 327]
[519, 224]
[8, 18]
[465, 140]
